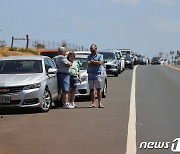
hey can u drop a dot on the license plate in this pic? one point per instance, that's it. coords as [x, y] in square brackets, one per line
[5, 99]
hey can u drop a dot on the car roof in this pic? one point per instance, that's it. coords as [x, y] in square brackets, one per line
[82, 51]
[81, 56]
[24, 57]
[108, 51]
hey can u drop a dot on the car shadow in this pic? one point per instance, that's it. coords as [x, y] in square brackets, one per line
[16, 111]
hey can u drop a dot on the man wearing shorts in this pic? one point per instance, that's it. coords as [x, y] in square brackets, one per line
[95, 62]
[63, 66]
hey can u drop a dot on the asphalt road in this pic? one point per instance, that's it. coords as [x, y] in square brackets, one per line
[157, 107]
[100, 131]
[76, 131]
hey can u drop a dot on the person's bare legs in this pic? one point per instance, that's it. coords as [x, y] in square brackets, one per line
[65, 96]
[92, 93]
[72, 93]
[99, 95]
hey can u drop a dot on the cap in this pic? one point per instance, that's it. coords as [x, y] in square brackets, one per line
[61, 49]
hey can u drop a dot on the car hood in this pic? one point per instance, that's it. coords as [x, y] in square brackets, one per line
[20, 79]
[110, 61]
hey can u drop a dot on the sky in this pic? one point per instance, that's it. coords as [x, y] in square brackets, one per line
[145, 26]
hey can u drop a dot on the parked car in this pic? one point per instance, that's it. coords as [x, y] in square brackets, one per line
[122, 60]
[83, 87]
[112, 62]
[155, 61]
[28, 81]
[82, 52]
[128, 62]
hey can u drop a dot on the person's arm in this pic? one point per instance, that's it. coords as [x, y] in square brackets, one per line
[67, 63]
[79, 76]
[94, 62]
[97, 62]
[90, 63]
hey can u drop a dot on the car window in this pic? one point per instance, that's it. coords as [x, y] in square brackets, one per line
[83, 63]
[20, 66]
[108, 55]
[49, 64]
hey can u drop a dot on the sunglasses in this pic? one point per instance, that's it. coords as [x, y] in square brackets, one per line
[93, 48]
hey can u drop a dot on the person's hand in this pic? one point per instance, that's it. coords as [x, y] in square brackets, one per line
[79, 80]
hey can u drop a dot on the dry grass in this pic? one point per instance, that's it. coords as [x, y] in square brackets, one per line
[4, 52]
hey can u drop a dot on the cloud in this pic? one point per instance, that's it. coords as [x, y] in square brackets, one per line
[168, 2]
[83, 24]
[165, 25]
[88, 25]
[126, 2]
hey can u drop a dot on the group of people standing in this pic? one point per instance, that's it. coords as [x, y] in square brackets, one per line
[69, 75]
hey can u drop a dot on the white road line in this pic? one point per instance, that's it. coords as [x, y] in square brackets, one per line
[131, 137]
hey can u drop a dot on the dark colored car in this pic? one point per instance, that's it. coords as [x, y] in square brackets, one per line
[128, 62]
[155, 61]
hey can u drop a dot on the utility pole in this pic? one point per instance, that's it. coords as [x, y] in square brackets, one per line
[172, 52]
[27, 43]
[12, 41]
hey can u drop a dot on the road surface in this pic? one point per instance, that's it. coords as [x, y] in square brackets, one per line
[101, 131]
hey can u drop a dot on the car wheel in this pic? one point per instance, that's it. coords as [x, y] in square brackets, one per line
[47, 101]
[119, 71]
[104, 92]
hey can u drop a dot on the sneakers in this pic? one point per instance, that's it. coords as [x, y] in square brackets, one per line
[68, 106]
[73, 104]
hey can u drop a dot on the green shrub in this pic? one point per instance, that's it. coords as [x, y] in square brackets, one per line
[28, 50]
[12, 49]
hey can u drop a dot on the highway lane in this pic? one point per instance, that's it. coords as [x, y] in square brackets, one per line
[157, 106]
[100, 131]
[76, 131]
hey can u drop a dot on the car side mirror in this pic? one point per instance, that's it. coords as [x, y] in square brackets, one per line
[105, 61]
[52, 71]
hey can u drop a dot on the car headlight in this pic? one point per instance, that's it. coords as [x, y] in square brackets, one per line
[32, 86]
[84, 78]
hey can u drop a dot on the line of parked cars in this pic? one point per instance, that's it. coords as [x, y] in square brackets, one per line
[31, 81]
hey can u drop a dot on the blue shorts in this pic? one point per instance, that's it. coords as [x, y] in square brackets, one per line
[73, 81]
[63, 81]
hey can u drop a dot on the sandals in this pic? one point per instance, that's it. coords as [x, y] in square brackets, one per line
[92, 106]
[100, 106]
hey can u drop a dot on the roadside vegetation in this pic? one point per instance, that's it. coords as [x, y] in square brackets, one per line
[8, 51]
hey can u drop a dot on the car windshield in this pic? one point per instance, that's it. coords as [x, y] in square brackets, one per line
[128, 57]
[108, 55]
[20, 66]
[156, 59]
[83, 63]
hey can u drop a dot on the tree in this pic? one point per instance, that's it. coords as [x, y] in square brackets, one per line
[38, 45]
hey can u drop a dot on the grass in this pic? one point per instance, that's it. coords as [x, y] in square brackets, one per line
[5, 51]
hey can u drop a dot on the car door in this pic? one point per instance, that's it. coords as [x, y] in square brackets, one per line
[52, 77]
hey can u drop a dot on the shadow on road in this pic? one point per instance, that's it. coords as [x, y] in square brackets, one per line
[14, 111]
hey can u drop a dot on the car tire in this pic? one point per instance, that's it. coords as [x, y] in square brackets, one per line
[119, 71]
[104, 92]
[47, 101]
